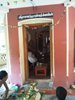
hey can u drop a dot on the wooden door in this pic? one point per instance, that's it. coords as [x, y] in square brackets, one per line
[26, 51]
[51, 51]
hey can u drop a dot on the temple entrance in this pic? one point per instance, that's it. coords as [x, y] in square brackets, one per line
[39, 51]
[36, 40]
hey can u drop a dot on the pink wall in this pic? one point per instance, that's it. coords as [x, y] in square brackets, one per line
[59, 41]
[71, 44]
[60, 50]
[14, 50]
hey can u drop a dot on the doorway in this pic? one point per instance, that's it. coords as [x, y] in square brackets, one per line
[38, 43]
[36, 37]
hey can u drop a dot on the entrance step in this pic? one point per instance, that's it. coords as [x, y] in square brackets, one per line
[45, 84]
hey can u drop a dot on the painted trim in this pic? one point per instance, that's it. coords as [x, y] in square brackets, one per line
[35, 21]
[21, 58]
[26, 22]
[30, 3]
[67, 41]
[7, 45]
[53, 48]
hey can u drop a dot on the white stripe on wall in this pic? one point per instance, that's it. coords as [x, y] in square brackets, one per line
[67, 41]
[52, 66]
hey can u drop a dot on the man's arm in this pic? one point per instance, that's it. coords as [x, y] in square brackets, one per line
[7, 89]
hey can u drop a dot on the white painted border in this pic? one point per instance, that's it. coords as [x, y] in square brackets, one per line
[7, 45]
[67, 41]
[21, 58]
[21, 51]
[53, 48]
[35, 21]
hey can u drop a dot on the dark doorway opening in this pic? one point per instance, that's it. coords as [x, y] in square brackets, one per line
[38, 42]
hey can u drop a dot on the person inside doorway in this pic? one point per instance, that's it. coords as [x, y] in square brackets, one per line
[32, 60]
[3, 78]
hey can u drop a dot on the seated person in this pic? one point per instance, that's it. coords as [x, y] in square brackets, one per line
[3, 78]
[61, 93]
[32, 59]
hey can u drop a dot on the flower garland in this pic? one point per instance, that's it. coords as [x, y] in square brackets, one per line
[33, 93]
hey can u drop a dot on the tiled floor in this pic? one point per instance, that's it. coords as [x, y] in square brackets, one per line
[50, 94]
[47, 88]
[52, 97]
[53, 91]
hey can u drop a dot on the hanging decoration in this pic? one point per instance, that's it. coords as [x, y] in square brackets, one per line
[33, 4]
[58, 21]
[69, 3]
[15, 2]
[10, 3]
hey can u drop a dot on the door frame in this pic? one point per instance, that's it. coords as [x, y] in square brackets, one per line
[23, 45]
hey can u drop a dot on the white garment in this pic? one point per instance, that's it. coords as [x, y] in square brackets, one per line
[2, 91]
[31, 57]
[12, 89]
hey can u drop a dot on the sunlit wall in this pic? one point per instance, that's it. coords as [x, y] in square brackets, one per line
[2, 34]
